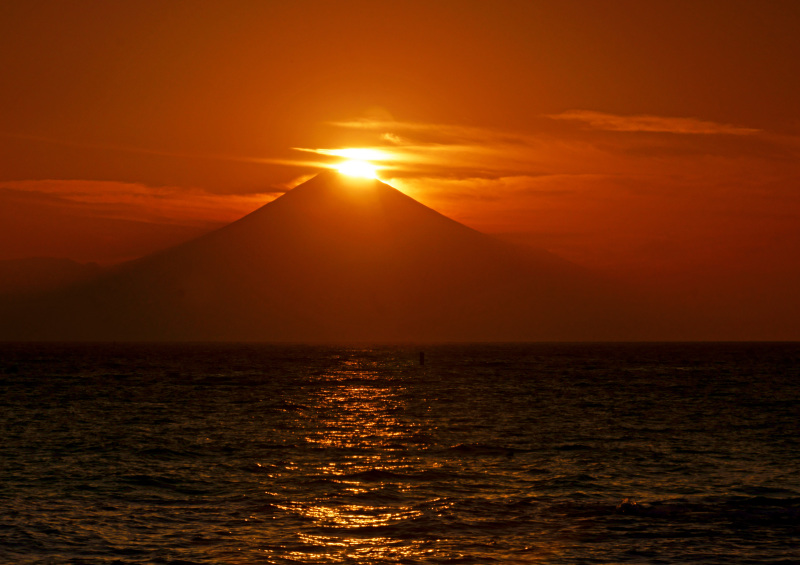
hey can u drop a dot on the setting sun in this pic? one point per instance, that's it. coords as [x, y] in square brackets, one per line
[356, 168]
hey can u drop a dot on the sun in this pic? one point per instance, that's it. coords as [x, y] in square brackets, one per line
[358, 168]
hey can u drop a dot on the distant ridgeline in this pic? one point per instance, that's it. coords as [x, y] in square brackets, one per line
[336, 259]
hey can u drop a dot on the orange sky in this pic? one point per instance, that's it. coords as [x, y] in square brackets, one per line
[656, 141]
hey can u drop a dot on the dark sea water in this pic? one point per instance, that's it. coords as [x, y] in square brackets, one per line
[486, 454]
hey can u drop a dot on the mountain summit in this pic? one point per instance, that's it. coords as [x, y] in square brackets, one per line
[335, 259]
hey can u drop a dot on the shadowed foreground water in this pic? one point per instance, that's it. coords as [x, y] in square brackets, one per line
[487, 454]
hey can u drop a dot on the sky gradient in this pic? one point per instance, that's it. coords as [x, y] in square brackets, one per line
[656, 142]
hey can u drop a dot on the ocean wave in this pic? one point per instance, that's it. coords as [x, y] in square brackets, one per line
[220, 453]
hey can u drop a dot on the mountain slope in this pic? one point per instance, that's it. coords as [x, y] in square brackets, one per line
[336, 259]
[38, 274]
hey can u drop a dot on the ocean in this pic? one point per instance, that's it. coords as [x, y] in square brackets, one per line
[536, 453]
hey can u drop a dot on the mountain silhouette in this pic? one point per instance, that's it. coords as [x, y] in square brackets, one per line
[335, 259]
[37, 274]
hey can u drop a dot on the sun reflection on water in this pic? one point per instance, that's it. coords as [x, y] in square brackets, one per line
[357, 413]
[361, 550]
[360, 422]
[356, 516]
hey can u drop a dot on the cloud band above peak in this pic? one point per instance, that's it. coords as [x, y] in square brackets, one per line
[646, 123]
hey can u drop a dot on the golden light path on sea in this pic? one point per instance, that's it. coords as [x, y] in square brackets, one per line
[360, 413]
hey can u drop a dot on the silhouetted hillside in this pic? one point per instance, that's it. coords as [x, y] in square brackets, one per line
[37, 274]
[337, 259]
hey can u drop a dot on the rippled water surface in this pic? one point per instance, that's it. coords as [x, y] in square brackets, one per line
[486, 454]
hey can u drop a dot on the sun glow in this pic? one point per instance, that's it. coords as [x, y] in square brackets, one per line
[358, 168]
[360, 162]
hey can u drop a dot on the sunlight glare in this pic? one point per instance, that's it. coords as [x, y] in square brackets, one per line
[359, 153]
[357, 168]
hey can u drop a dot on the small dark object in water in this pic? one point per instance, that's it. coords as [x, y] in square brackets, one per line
[628, 506]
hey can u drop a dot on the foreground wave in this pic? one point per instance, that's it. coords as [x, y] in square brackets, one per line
[204, 453]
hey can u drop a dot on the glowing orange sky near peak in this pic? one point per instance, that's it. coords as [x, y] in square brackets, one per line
[360, 162]
[356, 168]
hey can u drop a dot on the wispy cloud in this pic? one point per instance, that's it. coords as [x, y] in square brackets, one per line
[447, 150]
[138, 202]
[161, 153]
[563, 145]
[577, 187]
[646, 123]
